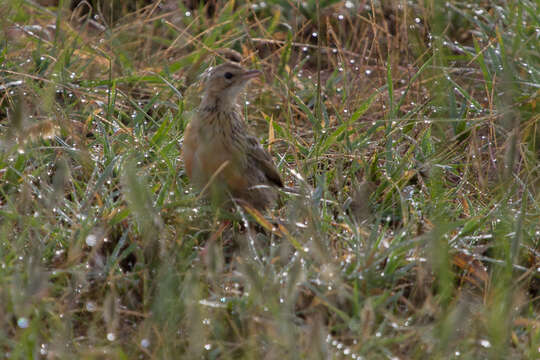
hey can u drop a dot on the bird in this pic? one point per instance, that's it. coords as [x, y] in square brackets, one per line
[220, 154]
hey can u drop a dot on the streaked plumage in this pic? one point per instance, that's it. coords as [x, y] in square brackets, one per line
[218, 145]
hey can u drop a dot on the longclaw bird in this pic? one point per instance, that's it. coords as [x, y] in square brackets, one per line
[220, 155]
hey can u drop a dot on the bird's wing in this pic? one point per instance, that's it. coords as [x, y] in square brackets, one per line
[264, 161]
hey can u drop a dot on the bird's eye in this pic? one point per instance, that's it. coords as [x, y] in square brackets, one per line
[228, 75]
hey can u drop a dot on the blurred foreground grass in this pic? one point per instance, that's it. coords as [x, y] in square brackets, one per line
[411, 127]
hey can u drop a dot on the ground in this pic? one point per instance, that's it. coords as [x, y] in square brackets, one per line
[407, 129]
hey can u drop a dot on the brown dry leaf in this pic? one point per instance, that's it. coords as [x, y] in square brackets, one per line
[260, 218]
[94, 57]
[530, 323]
[271, 133]
[465, 206]
[474, 268]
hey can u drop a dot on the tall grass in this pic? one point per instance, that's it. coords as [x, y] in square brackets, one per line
[409, 129]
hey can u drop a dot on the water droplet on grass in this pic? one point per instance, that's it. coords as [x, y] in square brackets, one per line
[23, 323]
[91, 240]
[485, 343]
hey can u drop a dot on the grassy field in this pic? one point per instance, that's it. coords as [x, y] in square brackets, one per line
[409, 128]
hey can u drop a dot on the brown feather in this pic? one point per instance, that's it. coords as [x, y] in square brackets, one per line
[217, 139]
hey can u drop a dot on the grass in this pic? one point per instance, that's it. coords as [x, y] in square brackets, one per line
[410, 128]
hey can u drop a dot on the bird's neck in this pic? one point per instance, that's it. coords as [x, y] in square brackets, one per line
[217, 102]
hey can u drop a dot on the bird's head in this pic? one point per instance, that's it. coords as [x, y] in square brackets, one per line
[224, 82]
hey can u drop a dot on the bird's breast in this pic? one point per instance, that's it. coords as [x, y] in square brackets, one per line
[221, 148]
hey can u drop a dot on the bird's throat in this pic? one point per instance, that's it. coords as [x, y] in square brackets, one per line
[221, 102]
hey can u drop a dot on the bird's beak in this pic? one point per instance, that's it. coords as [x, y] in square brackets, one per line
[251, 74]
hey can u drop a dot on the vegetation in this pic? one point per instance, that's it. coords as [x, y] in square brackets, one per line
[410, 130]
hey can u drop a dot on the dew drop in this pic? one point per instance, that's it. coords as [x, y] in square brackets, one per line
[485, 343]
[23, 323]
[91, 240]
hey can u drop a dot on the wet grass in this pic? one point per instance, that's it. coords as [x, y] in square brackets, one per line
[409, 128]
